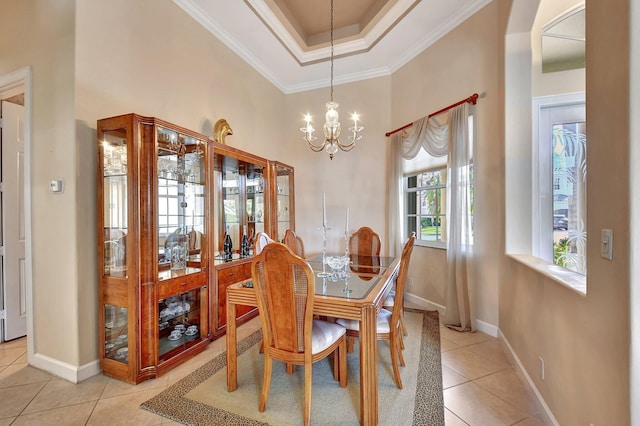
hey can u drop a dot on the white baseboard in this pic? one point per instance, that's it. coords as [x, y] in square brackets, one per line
[546, 411]
[428, 305]
[487, 328]
[71, 373]
[424, 303]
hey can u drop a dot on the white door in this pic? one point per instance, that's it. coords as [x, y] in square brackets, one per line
[13, 227]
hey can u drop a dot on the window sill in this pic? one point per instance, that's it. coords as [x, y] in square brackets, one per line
[431, 244]
[564, 277]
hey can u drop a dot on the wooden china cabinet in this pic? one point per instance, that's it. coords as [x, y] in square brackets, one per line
[252, 195]
[161, 253]
[153, 252]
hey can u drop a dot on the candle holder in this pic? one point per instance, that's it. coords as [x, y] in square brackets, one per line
[346, 288]
[346, 253]
[324, 272]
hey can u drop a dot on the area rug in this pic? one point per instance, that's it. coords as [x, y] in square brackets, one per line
[201, 398]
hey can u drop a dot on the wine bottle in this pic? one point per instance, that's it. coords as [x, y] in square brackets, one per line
[244, 246]
[228, 247]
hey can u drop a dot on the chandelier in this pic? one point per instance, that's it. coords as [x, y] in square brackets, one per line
[331, 141]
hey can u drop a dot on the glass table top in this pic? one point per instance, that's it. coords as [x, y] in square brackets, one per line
[351, 287]
[381, 261]
[363, 274]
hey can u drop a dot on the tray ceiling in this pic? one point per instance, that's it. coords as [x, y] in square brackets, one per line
[287, 41]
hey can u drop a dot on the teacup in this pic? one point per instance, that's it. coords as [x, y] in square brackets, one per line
[192, 328]
[175, 334]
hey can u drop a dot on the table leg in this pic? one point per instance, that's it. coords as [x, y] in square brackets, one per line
[232, 348]
[368, 367]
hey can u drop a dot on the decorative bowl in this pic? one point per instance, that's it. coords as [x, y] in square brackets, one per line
[337, 263]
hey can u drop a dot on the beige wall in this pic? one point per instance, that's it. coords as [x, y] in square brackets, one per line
[584, 340]
[40, 34]
[355, 179]
[463, 62]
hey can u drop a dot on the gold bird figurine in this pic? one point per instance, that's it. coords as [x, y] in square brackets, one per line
[221, 130]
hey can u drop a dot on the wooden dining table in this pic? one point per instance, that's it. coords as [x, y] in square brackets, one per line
[359, 296]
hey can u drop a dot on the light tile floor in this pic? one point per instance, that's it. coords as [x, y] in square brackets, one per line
[480, 388]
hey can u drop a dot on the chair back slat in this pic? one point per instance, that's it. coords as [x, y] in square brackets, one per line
[284, 286]
[365, 242]
[294, 242]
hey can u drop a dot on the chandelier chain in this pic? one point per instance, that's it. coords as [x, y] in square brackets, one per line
[331, 36]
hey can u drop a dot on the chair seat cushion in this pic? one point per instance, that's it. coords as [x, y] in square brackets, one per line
[389, 301]
[383, 325]
[324, 334]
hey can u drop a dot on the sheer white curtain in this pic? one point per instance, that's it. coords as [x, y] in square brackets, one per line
[460, 313]
[440, 140]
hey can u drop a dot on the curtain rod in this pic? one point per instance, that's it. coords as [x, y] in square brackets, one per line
[471, 99]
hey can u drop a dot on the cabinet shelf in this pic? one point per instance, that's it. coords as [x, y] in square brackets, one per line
[169, 348]
[177, 319]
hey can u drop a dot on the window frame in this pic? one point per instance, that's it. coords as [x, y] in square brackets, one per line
[443, 214]
[543, 179]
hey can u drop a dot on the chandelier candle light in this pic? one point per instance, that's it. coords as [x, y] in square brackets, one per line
[331, 141]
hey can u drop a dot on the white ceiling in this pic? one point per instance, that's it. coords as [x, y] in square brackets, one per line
[287, 40]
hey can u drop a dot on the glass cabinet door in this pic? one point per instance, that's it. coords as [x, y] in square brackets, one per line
[181, 169]
[116, 341]
[114, 182]
[284, 199]
[240, 211]
[180, 322]
[255, 206]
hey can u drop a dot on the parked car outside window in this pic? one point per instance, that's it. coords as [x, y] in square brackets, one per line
[560, 222]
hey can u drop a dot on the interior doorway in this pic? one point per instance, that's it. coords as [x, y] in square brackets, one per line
[12, 242]
[15, 207]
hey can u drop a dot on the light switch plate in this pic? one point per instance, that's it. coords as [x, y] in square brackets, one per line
[56, 185]
[606, 244]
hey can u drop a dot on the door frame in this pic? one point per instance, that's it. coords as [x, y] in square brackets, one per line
[23, 77]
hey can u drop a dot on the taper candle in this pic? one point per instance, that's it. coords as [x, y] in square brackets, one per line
[346, 223]
[324, 211]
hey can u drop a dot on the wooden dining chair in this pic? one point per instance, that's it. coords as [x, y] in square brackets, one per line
[262, 239]
[294, 242]
[285, 287]
[364, 242]
[388, 324]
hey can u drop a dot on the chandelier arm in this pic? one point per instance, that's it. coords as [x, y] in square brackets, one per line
[347, 146]
[317, 148]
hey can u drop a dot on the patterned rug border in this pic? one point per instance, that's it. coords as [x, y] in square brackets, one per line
[428, 404]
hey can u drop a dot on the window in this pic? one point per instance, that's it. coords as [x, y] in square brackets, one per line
[425, 196]
[561, 222]
[569, 196]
